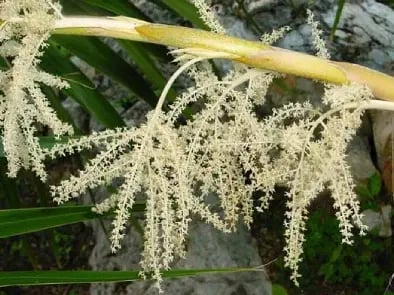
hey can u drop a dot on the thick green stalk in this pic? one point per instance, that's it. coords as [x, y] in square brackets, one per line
[252, 53]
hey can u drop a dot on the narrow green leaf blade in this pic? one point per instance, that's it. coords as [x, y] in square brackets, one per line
[338, 15]
[23, 278]
[81, 89]
[139, 55]
[187, 10]
[119, 7]
[74, 7]
[21, 221]
[103, 58]
[138, 52]
[124, 8]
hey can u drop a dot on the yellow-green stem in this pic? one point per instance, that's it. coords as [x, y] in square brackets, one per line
[252, 53]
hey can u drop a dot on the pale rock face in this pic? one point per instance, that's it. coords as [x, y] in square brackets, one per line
[359, 150]
[208, 248]
[379, 220]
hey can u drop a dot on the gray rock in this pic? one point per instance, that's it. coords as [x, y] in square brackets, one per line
[379, 56]
[254, 5]
[359, 159]
[293, 40]
[341, 34]
[208, 248]
[79, 116]
[136, 115]
[379, 220]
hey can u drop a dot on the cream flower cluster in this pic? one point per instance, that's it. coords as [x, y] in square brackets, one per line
[225, 149]
[23, 105]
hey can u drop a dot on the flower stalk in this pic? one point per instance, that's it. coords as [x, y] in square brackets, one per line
[252, 53]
